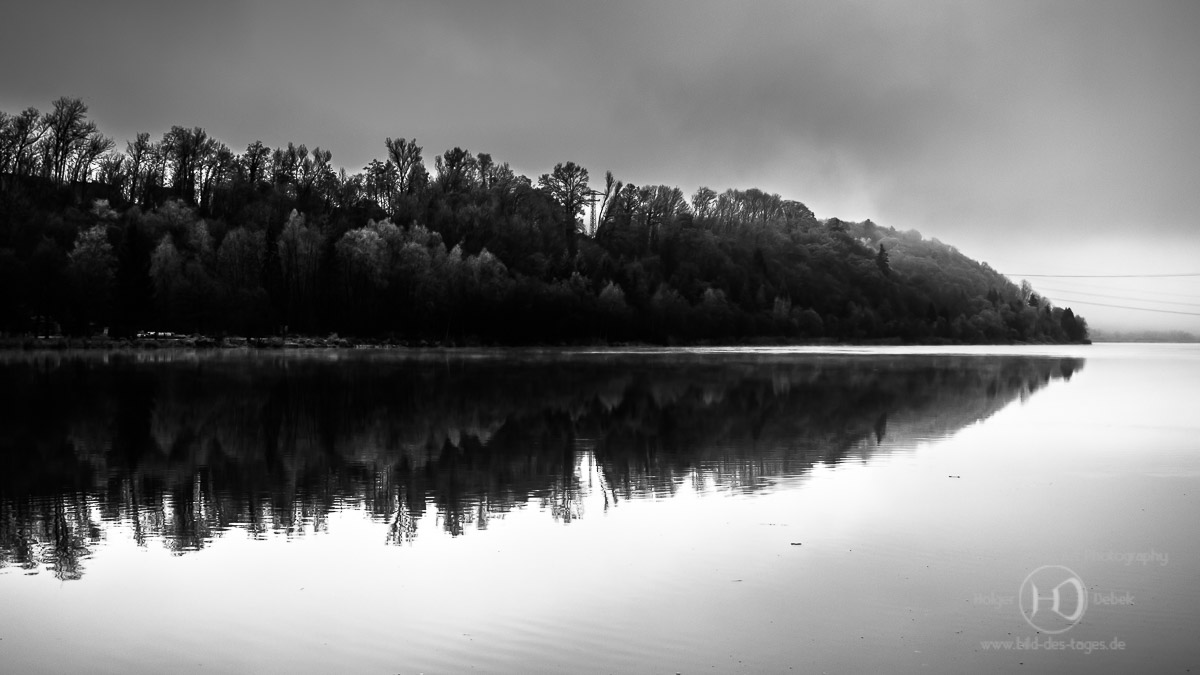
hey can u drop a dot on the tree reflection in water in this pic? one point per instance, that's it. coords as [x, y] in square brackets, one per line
[179, 446]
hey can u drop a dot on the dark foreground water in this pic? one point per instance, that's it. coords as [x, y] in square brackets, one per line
[860, 510]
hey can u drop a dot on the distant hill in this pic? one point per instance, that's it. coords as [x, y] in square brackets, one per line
[1099, 335]
[184, 234]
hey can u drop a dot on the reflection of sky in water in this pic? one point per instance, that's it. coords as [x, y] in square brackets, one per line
[183, 446]
[892, 555]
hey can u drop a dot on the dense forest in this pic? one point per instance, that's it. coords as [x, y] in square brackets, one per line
[184, 234]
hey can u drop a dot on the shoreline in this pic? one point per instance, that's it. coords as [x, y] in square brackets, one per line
[61, 343]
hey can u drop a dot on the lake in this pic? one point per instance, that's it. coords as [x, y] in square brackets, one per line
[971, 509]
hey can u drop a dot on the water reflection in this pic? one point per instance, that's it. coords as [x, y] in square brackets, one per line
[177, 447]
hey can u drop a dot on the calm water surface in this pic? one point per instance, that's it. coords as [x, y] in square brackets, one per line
[846, 510]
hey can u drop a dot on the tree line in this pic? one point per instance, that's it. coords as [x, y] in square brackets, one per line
[185, 234]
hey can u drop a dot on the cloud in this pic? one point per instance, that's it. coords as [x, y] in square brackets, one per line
[1000, 127]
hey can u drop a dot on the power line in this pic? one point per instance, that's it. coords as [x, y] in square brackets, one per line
[1104, 276]
[1124, 289]
[1125, 306]
[1123, 297]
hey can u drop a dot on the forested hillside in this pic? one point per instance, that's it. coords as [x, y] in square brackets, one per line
[185, 234]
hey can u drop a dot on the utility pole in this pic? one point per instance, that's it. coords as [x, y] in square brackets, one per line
[592, 194]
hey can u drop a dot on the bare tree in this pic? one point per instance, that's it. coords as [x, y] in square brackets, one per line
[137, 160]
[254, 161]
[567, 185]
[406, 156]
[87, 153]
[68, 128]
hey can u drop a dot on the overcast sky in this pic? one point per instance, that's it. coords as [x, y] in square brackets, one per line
[1040, 137]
